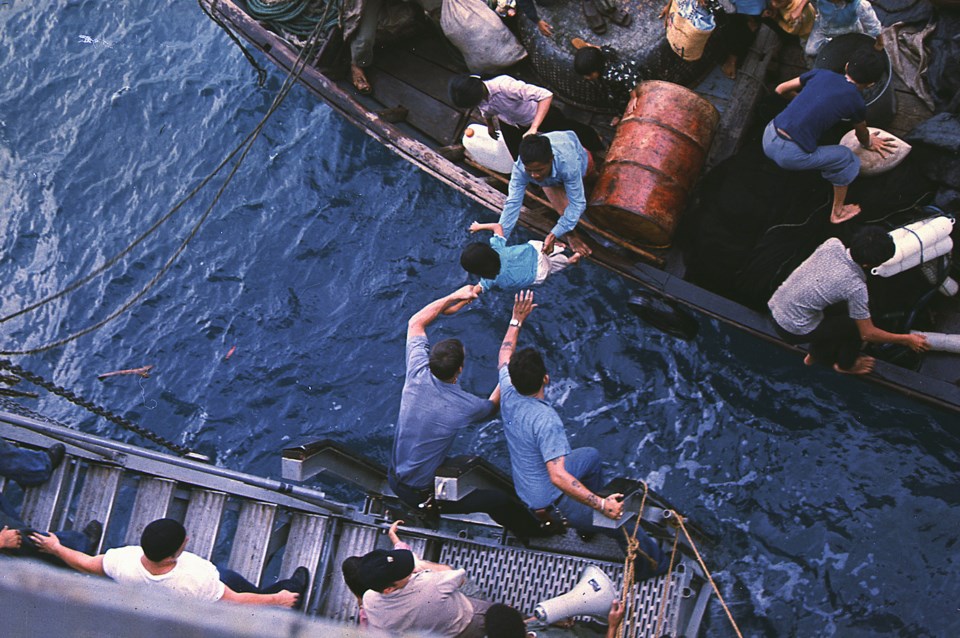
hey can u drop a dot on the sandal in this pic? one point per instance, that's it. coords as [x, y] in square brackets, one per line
[359, 79]
[594, 19]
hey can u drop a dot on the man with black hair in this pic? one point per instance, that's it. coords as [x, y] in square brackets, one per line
[824, 302]
[160, 561]
[401, 600]
[558, 163]
[516, 109]
[554, 480]
[433, 410]
[822, 100]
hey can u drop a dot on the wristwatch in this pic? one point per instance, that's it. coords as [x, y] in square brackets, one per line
[515, 322]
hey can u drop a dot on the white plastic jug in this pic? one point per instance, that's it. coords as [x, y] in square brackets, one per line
[486, 151]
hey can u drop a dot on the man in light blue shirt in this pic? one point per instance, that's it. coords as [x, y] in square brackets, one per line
[548, 475]
[557, 162]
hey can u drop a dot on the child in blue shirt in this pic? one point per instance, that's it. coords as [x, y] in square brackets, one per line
[511, 267]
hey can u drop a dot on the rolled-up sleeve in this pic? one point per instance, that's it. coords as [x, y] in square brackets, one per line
[868, 19]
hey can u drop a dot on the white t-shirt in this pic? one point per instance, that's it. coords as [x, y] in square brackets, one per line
[429, 602]
[192, 577]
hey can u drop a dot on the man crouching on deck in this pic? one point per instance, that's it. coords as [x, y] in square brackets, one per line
[559, 163]
[824, 100]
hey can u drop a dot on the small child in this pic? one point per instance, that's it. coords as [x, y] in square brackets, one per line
[838, 17]
[511, 267]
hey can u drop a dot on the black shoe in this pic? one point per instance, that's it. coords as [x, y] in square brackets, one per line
[56, 452]
[94, 532]
[298, 585]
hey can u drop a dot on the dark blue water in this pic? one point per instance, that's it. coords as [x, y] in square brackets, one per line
[833, 502]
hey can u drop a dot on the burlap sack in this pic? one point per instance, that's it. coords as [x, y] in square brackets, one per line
[870, 161]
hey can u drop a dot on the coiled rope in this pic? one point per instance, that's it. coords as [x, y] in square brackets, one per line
[306, 53]
[295, 17]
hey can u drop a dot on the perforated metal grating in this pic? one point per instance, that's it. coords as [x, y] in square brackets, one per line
[523, 578]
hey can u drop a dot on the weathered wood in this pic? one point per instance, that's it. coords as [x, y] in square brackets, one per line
[204, 513]
[426, 114]
[152, 502]
[424, 75]
[249, 551]
[96, 497]
[40, 503]
[394, 115]
[454, 153]
[746, 91]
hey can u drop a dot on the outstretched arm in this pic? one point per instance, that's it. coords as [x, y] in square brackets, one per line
[50, 544]
[610, 506]
[492, 226]
[543, 107]
[282, 598]
[872, 334]
[522, 307]
[417, 326]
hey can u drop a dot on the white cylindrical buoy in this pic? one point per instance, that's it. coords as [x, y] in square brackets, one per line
[917, 243]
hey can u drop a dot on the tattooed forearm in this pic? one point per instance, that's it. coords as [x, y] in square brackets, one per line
[575, 483]
[506, 345]
[593, 501]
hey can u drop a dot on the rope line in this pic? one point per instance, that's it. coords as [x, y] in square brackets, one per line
[633, 549]
[246, 145]
[70, 396]
[667, 582]
[261, 72]
[706, 571]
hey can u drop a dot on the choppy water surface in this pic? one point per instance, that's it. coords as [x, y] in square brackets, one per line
[834, 504]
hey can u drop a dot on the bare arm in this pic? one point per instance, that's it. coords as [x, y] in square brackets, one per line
[543, 106]
[611, 506]
[872, 334]
[10, 538]
[282, 598]
[522, 307]
[417, 326]
[614, 618]
[492, 226]
[492, 127]
[788, 88]
[50, 544]
[495, 395]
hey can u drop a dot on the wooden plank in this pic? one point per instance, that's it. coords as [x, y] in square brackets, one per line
[308, 534]
[426, 114]
[248, 553]
[152, 502]
[96, 497]
[40, 503]
[204, 513]
[424, 75]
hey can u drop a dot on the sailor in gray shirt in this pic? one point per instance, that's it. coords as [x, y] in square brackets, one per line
[809, 306]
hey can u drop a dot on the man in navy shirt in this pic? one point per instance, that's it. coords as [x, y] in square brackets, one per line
[824, 99]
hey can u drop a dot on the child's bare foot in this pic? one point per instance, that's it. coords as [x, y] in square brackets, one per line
[848, 212]
[575, 259]
[808, 360]
[863, 365]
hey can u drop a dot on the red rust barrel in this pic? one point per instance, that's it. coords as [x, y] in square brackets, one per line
[653, 162]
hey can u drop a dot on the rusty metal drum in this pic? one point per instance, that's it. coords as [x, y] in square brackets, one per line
[654, 161]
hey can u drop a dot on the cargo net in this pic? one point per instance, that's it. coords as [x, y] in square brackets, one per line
[523, 578]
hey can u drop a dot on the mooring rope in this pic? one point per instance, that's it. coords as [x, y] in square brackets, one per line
[261, 72]
[706, 571]
[633, 550]
[243, 148]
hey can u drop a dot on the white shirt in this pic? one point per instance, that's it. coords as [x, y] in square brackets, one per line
[192, 577]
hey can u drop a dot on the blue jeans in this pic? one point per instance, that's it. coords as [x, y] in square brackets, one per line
[838, 164]
[26, 467]
[584, 464]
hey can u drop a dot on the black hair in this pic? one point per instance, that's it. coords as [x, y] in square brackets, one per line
[466, 91]
[527, 371]
[588, 60]
[162, 539]
[446, 358]
[866, 66]
[536, 149]
[480, 259]
[871, 246]
[353, 576]
[503, 621]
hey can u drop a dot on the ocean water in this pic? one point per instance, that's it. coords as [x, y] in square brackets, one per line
[834, 503]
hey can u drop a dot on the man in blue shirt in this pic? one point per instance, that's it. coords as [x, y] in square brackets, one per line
[557, 162]
[824, 99]
[433, 410]
[548, 475]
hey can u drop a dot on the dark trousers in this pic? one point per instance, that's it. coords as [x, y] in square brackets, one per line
[504, 508]
[835, 340]
[554, 121]
[241, 585]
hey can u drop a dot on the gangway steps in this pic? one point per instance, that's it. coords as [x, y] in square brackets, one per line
[152, 502]
[204, 513]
